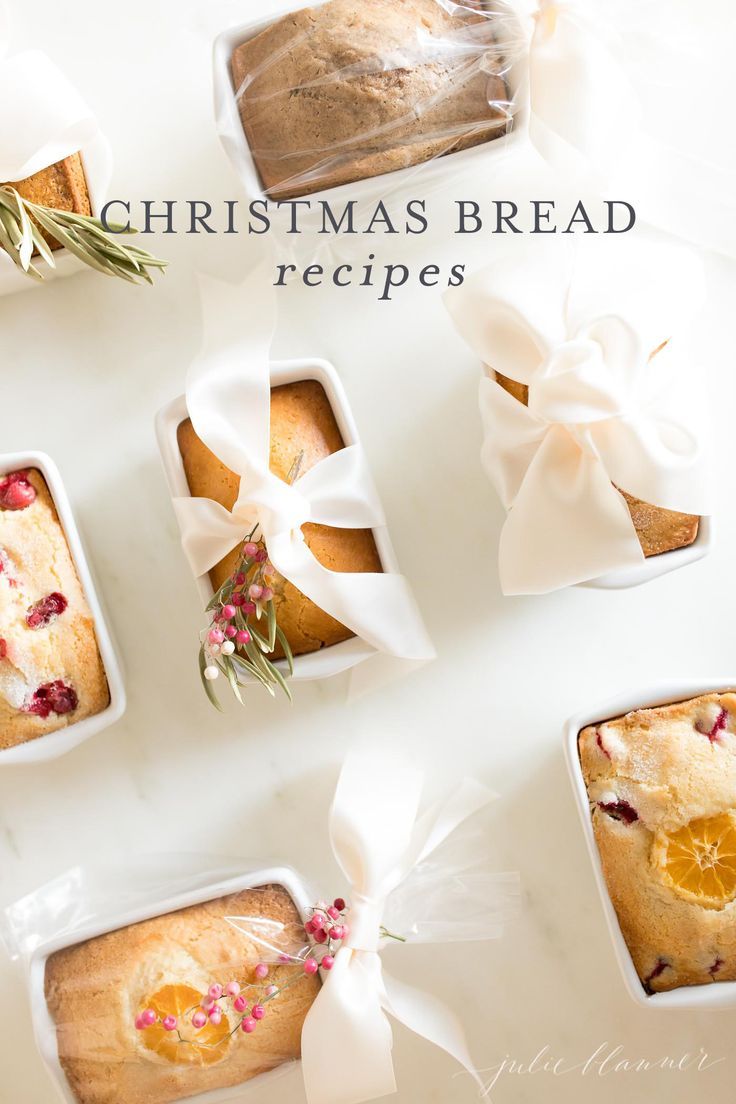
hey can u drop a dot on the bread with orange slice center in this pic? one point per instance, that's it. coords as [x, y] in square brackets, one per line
[662, 789]
[96, 990]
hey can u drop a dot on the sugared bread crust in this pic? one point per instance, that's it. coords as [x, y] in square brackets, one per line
[51, 674]
[62, 186]
[662, 790]
[658, 530]
[95, 990]
[356, 88]
[303, 431]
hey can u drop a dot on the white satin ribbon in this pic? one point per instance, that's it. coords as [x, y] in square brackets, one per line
[381, 844]
[49, 119]
[583, 109]
[228, 398]
[578, 328]
[586, 117]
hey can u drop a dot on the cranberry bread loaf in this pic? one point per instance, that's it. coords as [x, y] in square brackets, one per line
[356, 88]
[51, 674]
[62, 186]
[96, 990]
[662, 789]
[303, 432]
[658, 530]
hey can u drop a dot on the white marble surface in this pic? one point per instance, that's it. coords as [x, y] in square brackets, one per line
[85, 365]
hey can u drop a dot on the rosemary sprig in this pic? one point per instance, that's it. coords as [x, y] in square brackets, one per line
[236, 642]
[85, 236]
[243, 631]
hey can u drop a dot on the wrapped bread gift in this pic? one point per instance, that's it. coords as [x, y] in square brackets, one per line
[591, 432]
[170, 996]
[352, 89]
[280, 519]
[303, 431]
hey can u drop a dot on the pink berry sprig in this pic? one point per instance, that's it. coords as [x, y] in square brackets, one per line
[326, 926]
[243, 630]
[245, 1003]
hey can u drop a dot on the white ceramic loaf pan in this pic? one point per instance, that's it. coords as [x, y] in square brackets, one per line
[337, 657]
[64, 739]
[232, 134]
[654, 566]
[43, 1024]
[692, 998]
[97, 164]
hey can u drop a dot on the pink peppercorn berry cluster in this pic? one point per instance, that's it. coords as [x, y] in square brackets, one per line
[326, 927]
[213, 1006]
[243, 595]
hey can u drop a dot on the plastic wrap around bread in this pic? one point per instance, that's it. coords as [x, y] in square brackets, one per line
[51, 673]
[226, 973]
[661, 784]
[348, 90]
[99, 991]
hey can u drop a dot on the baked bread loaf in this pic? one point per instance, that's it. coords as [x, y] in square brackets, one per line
[51, 674]
[303, 432]
[658, 530]
[95, 990]
[62, 186]
[662, 790]
[356, 88]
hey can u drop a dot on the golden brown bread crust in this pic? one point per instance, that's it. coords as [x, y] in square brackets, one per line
[62, 186]
[349, 90]
[35, 561]
[658, 530]
[302, 424]
[94, 991]
[663, 764]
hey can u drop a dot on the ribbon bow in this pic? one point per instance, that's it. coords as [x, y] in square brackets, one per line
[391, 860]
[228, 398]
[603, 412]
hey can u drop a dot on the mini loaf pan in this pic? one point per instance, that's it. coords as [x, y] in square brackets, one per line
[97, 164]
[54, 744]
[654, 566]
[43, 1024]
[690, 998]
[335, 658]
[233, 138]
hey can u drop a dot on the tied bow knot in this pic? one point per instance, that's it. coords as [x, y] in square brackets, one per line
[588, 377]
[275, 507]
[609, 404]
[366, 923]
[346, 1038]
